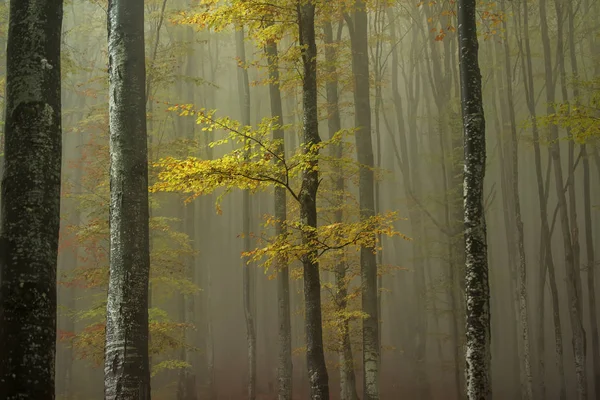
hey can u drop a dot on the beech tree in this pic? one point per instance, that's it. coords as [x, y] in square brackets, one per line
[30, 200]
[126, 366]
[477, 291]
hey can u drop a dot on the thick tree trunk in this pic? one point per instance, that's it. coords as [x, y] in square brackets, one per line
[358, 28]
[315, 354]
[30, 201]
[477, 287]
[126, 367]
[284, 368]
[244, 93]
[334, 124]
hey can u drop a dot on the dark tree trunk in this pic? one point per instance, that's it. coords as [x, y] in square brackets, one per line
[126, 367]
[284, 369]
[30, 201]
[478, 342]
[315, 354]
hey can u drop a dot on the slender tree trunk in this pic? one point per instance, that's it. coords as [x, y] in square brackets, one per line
[126, 367]
[591, 265]
[315, 354]
[477, 287]
[30, 201]
[284, 369]
[244, 91]
[358, 28]
[334, 124]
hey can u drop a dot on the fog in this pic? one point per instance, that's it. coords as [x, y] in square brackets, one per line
[197, 313]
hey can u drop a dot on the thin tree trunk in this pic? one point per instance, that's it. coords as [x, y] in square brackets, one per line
[334, 124]
[244, 92]
[126, 367]
[591, 266]
[315, 354]
[478, 354]
[284, 369]
[30, 201]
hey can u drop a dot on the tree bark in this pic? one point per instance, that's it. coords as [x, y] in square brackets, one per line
[315, 355]
[126, 367]
[30, 201]
[478, 355]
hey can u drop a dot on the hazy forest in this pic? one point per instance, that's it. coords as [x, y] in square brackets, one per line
[285, 199]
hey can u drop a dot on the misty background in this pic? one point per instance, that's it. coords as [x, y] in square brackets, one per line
[197, 309]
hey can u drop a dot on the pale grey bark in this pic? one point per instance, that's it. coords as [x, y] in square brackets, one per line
[30, 201]
[478, 342]
[126, 367]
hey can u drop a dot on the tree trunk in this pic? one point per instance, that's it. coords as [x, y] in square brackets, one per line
[244, 92]
[284, 370]
[30, 201]
[334, 124]
[315, 354]
[478, 355]
[126, 367]
[358, 28]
